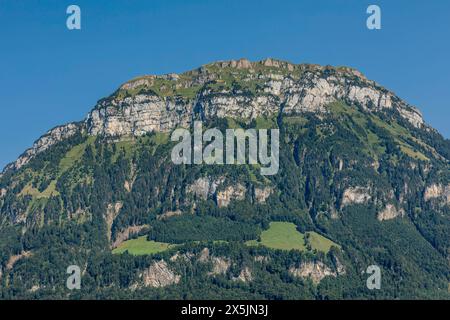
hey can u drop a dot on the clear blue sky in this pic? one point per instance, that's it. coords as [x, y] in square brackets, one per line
[50, 75]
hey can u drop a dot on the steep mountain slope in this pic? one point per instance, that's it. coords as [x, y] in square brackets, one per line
[363, 179]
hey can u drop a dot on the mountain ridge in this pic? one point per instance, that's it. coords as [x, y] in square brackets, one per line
[161, 103]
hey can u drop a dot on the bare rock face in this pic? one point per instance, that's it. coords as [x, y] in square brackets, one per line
[204, 187]
[261, 194]
[230, 193]
[334, 213]
[355, 195]
[138, 115]
[128, 184]
[182, 256]
[261, 259]
[13, 259]
[390, 212]
[237, 106]
[159, 275]
[2, 192]
[43, 143]
[204, 255]
[127, 233]
[437, 191]
[244, 276]
[220, 265]
[312, 91]
[138, 107]
[432, 192]
[314, 270]
[413, 116]
[317, 88]
[111, 214]
[340, 268]
[34, 288]
[169, 214]
[238, 64]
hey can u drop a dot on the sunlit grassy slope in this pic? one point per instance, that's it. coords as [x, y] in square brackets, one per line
[285, 236]
[142, 246]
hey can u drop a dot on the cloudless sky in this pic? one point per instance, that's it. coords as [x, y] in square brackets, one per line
[50, 75]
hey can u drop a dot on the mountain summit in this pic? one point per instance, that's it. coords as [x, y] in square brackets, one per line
[362, 181]
[236, 89]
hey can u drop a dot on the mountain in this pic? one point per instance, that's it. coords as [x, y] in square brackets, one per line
[362, 181]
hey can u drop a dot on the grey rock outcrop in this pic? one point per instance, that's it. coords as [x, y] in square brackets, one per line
[182, 256]
[390, 212]
[126, 233]
[159, 275]
[140, 106]
[208, 187]
[356, 195]
[204, 255]
[245, 275]
[261, 194]
[314, 89]
[52, 137]
[138, 115]
[438, 192]
[236, 192]
[220, 265]
[168, 214]
[111, 214]
[204, 187]
[316, 271]
[15, 258]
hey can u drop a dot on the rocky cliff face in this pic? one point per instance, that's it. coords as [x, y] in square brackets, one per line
[278, 85]
[316, 271]
[52, 137]
[438, 191]
[390, 212]
[356, 195]
[235, 89]
[137, 115]
[159, 275]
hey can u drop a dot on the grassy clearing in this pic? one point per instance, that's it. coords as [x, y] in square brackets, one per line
[319, 242]
[399, 133]
[412, 153]
[47, 193]
[141, 246]
[298, 120]
[266, 123]
[285, 236]
[126, 146]
[160, 138]
[157, 138]
[69, 159]
[73, 155]
[232, 124]
[281, 235]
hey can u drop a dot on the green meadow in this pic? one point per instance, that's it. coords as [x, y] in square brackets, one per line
[280, 235]
[285, 236]
[142, 246]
